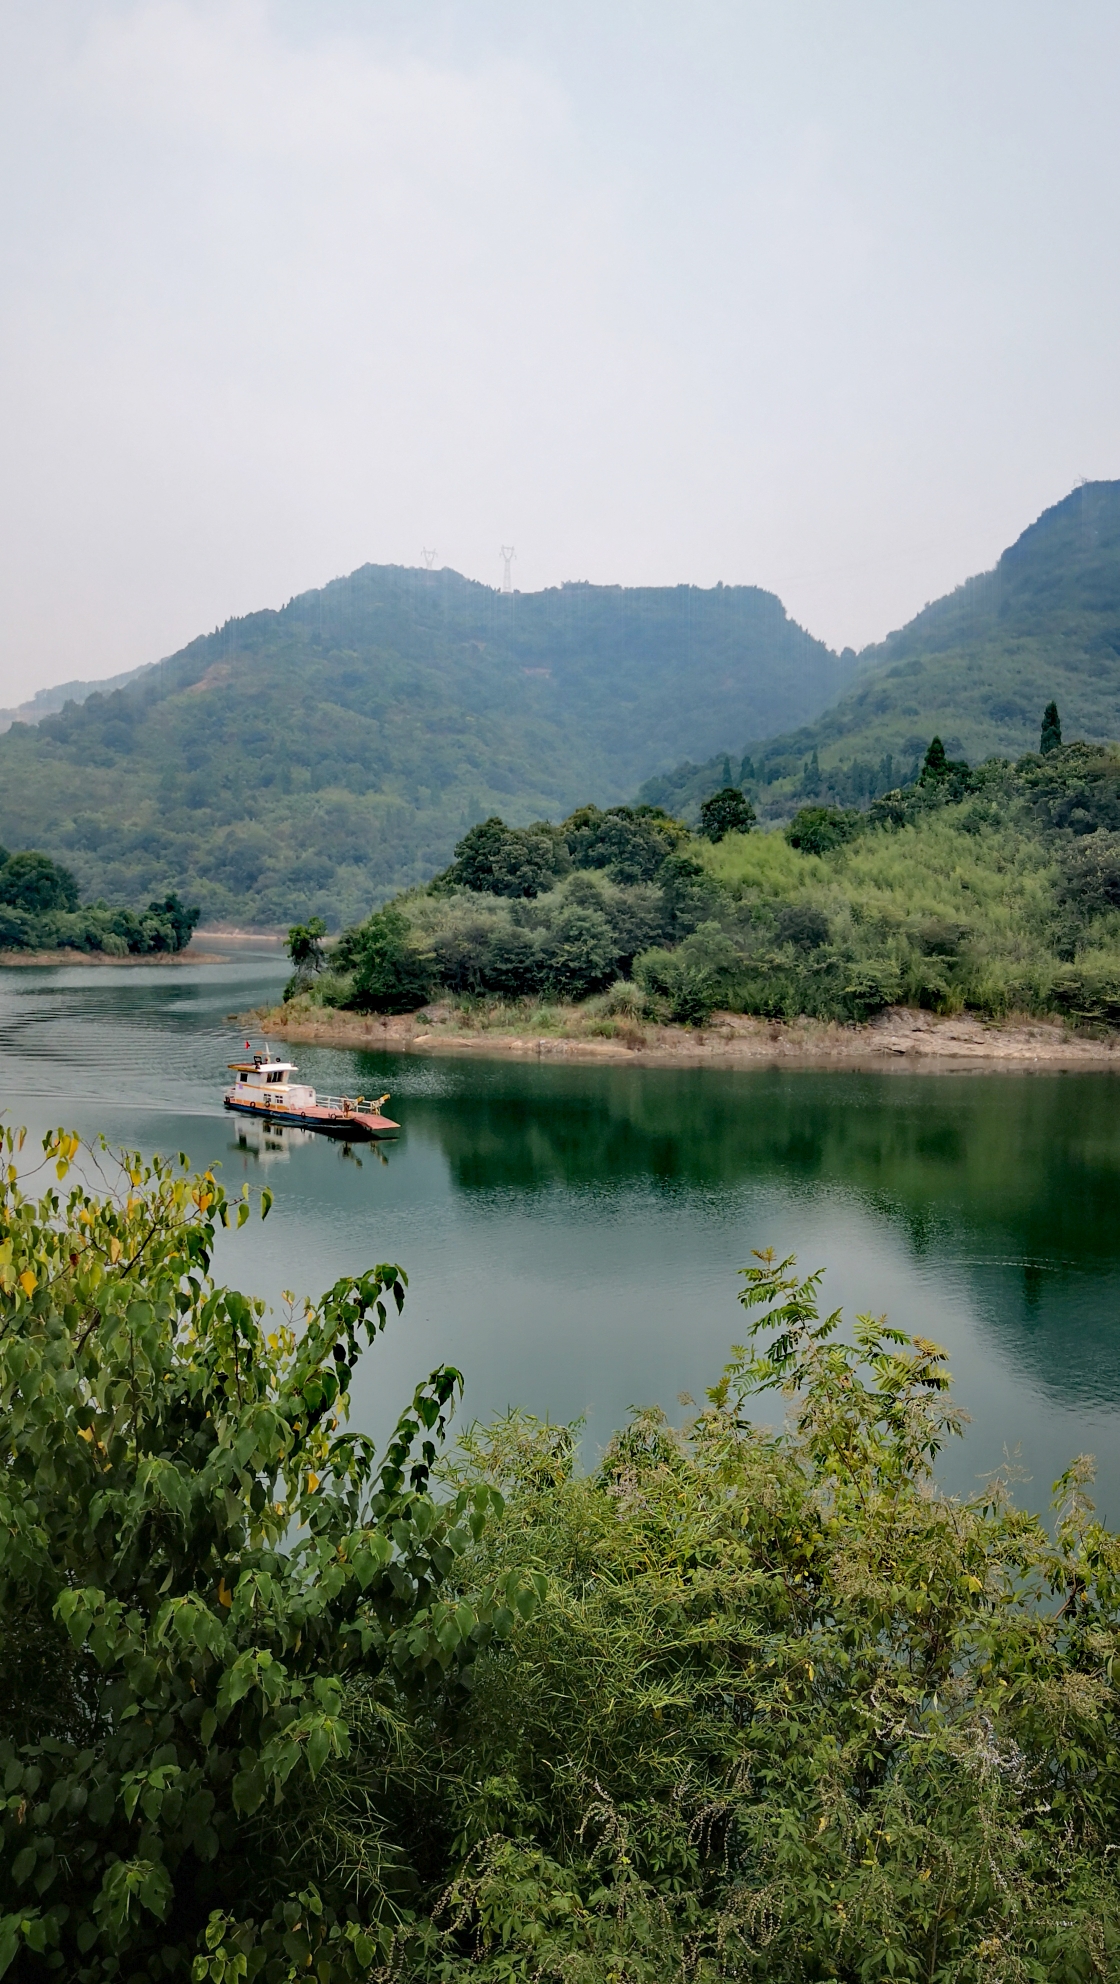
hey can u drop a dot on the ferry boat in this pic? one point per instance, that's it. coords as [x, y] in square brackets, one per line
[264, 1088]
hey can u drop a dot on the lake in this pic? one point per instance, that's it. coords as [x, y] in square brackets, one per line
[572, 1234]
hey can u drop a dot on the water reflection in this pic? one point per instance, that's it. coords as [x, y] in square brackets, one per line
[573, 1234]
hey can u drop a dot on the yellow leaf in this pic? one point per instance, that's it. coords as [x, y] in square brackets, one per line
[86, 1433]
[114, 1249]
[27, 1282]
[312, 1483]
[225, 1595]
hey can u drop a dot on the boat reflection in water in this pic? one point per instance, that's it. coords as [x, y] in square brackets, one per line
[273, 1143]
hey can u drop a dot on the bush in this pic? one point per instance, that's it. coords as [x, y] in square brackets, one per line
[786, 1712]
[701, 974]
[194, 1556]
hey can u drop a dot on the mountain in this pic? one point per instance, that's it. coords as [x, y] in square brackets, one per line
[976, 668]
[313, 760]
[47, 701]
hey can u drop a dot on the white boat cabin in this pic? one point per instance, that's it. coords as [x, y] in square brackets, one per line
[264, 1083]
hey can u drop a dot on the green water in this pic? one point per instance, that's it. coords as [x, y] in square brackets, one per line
[572, 1234]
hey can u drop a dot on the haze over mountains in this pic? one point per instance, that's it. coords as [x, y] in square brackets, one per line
[315, 759]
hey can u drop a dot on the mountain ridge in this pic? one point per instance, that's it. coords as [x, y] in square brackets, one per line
[311, 758]
[976, 667]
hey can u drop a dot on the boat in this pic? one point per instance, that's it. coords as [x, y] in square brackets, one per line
[264, 1088]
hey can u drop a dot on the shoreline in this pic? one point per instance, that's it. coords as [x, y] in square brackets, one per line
[899, 1038]
[25, 960]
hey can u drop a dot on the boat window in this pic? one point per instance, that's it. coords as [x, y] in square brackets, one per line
[243, 1078]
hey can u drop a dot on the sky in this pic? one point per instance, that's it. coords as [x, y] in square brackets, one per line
[813, 297]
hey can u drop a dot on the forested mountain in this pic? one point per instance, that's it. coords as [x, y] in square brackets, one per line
[976, 668]
[311, 760]
[46, 701]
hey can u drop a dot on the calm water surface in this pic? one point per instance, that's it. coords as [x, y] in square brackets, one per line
[572, 1234]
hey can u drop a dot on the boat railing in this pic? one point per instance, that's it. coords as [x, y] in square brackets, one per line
[356, 1102]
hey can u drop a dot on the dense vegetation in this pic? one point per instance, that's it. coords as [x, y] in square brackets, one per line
[40, 911]
[311, 761]
[995, 889]
[975, 668]
[736, 1704]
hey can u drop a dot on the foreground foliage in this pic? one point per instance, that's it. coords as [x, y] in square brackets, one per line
[737, 1704]
[787, 1712]
[194, 1556]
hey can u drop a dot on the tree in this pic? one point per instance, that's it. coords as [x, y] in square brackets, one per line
[818, 829]
[391, 973]
[194, 1556]
[939, 773]
[493, 859]
[1051, 738]
[726, 812]
[181, 919]
[33, 882]
[935, 764]
[305, 946]
[579, 953]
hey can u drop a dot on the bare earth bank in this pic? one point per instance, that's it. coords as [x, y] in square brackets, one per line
[899, 1037]
[29, 958]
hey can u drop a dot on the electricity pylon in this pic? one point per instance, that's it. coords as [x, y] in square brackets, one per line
[429, 558]
[508, 554]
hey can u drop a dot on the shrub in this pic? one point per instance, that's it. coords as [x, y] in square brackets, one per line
[194, 1555]
[787, 1711]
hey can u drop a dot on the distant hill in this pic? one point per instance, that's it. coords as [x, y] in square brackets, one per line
[47, 701]
[313, 760]
[976, 668]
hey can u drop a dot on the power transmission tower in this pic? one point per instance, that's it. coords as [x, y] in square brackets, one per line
[508, 554]
[429, 558]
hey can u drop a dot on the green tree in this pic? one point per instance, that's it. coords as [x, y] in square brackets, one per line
[818, 829]
[195, 1554]
[726, 812]
[305, 946]
[391, 973]
[493, 859]
[33, 882]
[1051, 738]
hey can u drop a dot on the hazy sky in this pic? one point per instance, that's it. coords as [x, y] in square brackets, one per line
[820, 297]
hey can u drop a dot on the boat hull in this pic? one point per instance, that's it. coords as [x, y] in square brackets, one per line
[348, 1123]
